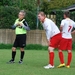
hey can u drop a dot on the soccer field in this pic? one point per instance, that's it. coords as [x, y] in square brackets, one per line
[33, 64]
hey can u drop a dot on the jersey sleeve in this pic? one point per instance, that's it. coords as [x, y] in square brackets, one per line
[48, 30]
[25, 25]
[48, 34]
[74, 25]
[62, 23]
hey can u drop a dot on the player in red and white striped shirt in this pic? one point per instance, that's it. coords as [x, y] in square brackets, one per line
[53, 36]
[66, 43]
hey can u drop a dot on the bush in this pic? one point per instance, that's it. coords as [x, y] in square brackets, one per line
[8, 15]
[73, 15]
[59, 17]
[28, 47]
[5, 46]
[31, 19]
[36, 47]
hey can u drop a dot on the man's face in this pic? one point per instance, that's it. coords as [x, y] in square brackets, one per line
[41, 18]
[64, 16]
[21, 15]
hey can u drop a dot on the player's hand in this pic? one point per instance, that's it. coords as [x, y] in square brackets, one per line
[73, 32]
[48, 42]
[18, 24]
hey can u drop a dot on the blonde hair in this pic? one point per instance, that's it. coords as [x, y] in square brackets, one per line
[42, 13]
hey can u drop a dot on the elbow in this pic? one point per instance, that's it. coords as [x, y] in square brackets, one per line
[28, 29]
[13, 27]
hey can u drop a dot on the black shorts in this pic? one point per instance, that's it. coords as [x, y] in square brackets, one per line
[20, 41]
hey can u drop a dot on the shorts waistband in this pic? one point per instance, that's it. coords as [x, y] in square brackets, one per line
[20, 34]
[57, 34]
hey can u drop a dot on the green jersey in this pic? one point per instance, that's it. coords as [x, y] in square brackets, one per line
[19, 29]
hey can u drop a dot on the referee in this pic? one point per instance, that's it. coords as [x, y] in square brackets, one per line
[21, 28]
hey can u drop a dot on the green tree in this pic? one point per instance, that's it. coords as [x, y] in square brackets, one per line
[55, 4]
[6, 2]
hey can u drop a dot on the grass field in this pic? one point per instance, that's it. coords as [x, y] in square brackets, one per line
[33, 64]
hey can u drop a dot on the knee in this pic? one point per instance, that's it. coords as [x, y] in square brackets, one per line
[50, 49]
[59, 50]
[13, 49]
[21, 49]
[69, 51]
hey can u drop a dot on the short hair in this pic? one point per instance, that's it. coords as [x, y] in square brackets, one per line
[67, 13]
[42, 13]
[22, 11]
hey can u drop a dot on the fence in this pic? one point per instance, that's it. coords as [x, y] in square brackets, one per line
[7, 36]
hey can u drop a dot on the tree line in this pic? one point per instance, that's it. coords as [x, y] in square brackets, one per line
[10, 8]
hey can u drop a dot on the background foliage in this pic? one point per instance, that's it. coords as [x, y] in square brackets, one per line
[9, 10]
[55, 4]
[7, 16]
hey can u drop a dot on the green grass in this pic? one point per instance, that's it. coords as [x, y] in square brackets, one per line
[33, 64]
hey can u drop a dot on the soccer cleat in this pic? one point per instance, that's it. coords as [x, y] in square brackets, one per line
[20, 62]
[11, 61]
[49, 66]
[67, 66]
[61, 65]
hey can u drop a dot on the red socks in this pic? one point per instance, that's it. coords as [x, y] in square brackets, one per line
[51, 58]
[61, 57]
[69, 58]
